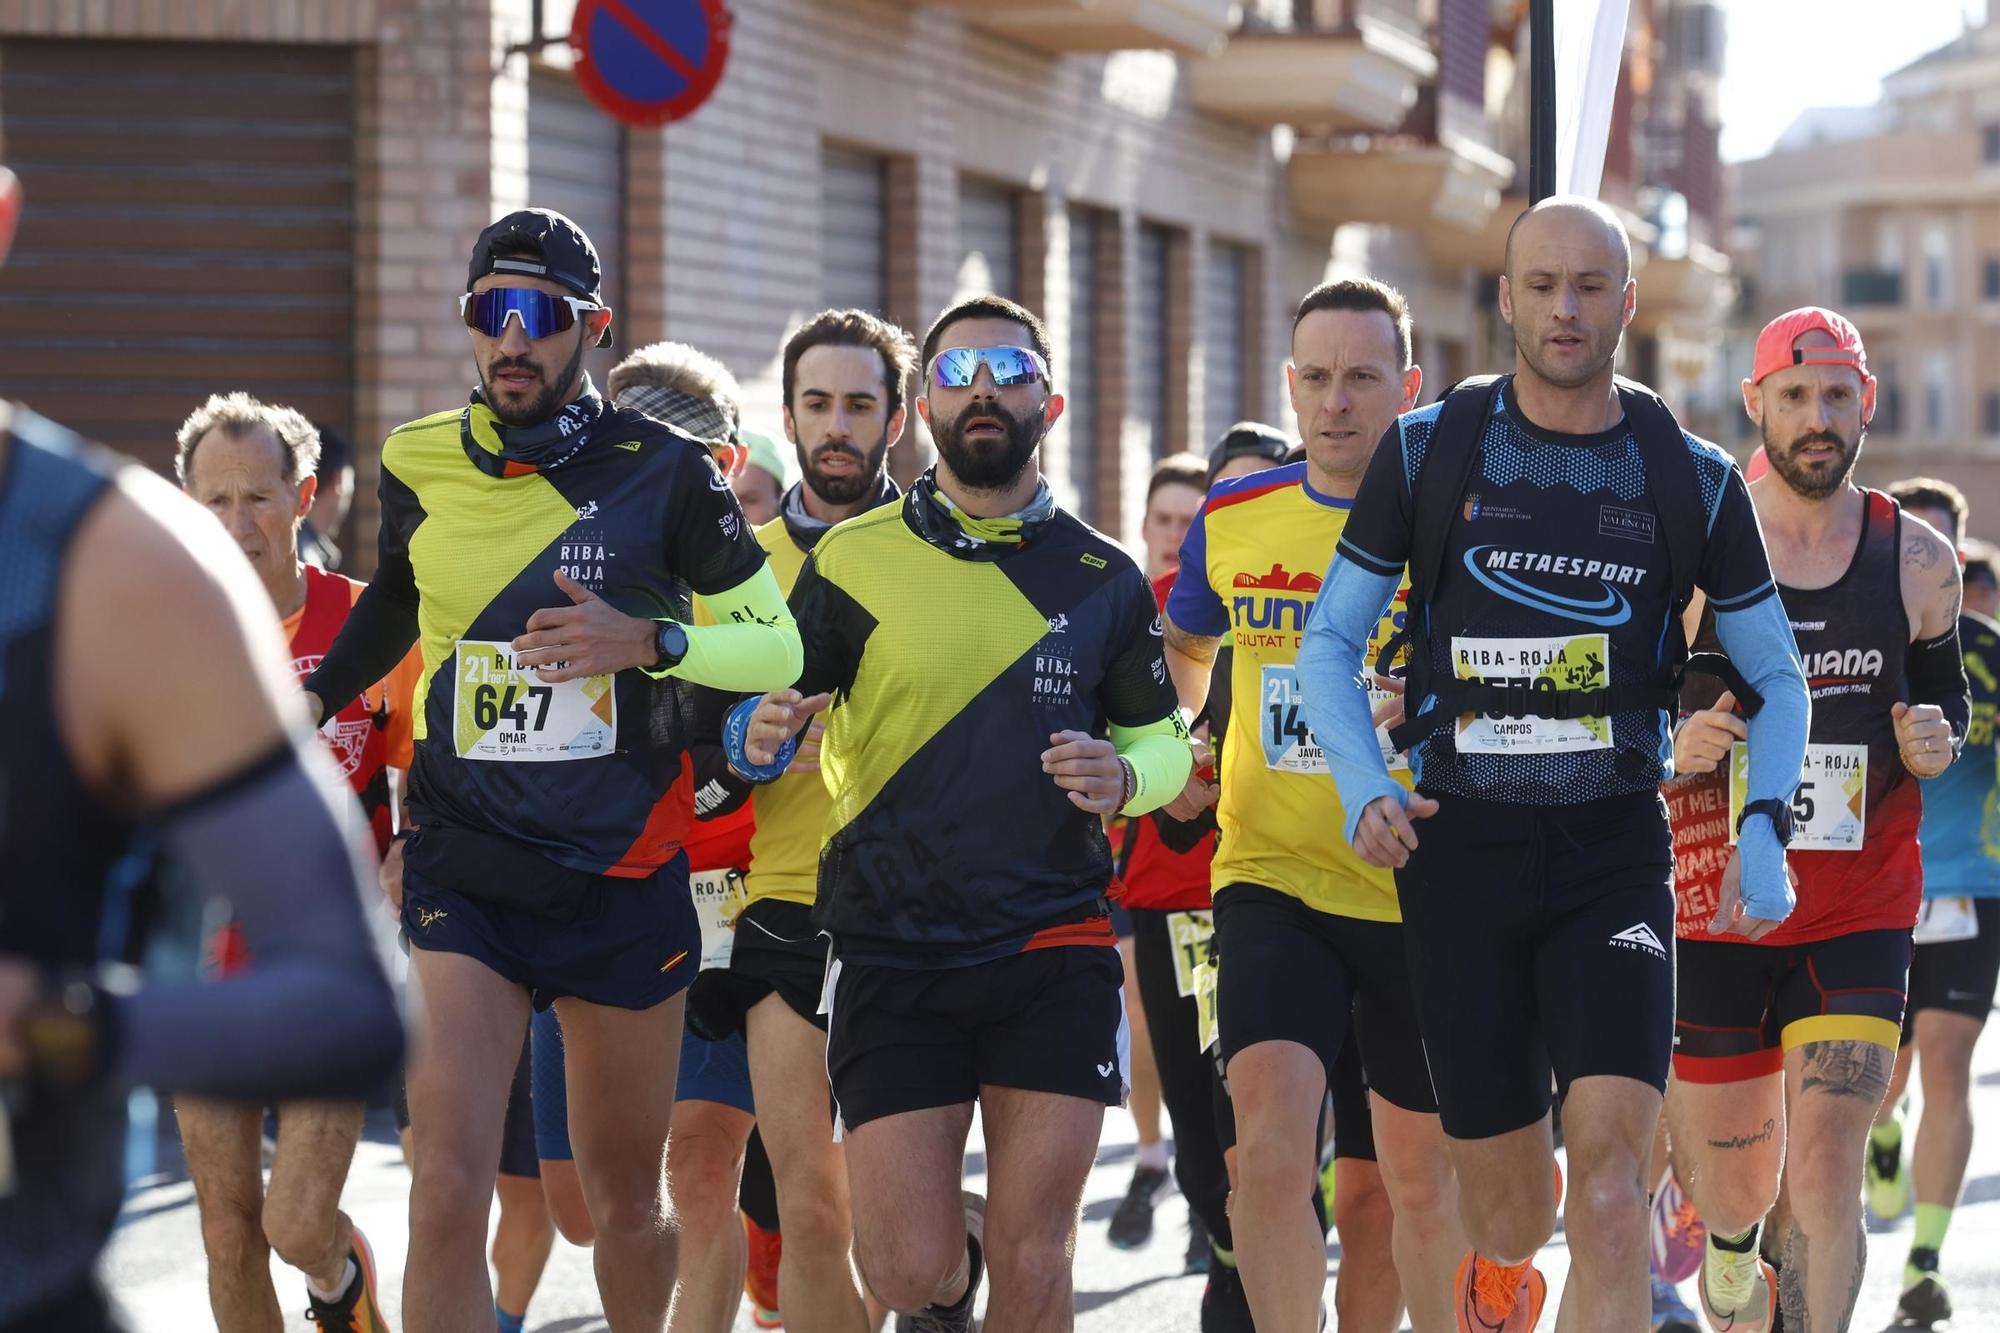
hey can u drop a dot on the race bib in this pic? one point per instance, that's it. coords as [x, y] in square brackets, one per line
[1830, 807]
[719, 896]
[1289, 745]
[1208, 1028]
[507, 714]
[1576, 662]
[1947, 921]
[1189, 932]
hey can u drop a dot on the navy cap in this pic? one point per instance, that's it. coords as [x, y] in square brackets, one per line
[538, 243]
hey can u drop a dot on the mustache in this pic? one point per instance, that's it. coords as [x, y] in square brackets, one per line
[1819, 437]
[840, 450]
[498, 364]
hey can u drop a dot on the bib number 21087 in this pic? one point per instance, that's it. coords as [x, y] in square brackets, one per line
[504, 712]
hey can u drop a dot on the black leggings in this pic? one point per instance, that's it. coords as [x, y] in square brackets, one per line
[1188, 1082]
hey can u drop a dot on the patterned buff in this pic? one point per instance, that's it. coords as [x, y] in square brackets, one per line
[518, 450]
[946, 525]
[807, 530]
[701, 417]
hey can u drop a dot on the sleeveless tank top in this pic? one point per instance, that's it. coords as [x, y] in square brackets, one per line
[1854, 638]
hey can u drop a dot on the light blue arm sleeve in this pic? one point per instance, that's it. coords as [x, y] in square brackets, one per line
[1335, 691]
[1759, 641]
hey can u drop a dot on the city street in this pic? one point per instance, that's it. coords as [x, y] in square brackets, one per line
[156, 1271]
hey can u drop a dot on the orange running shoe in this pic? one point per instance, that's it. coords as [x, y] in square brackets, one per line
[760, 1279]
[358, 1310]
[1496, 1299]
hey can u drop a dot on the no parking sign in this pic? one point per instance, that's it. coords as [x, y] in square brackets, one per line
[647, 62]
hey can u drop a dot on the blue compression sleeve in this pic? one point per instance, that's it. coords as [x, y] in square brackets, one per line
[1759, 641]
[1335, 686]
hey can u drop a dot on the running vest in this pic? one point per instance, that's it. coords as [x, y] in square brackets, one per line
[61, 850]
[1961, 829]
[358, 734]
[1857, 808]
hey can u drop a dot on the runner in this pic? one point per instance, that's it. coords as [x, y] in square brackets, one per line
[1957, 956]
[1306, 935]
[198, 741]
[252, 466]
[319, 536]
[550, 534]
[977, 639]
[1783, 1047]
[1173, 495]
[760, 486]
[845, 377]
[1534, 860]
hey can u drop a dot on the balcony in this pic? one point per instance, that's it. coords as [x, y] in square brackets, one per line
[1437, 175]
[1690, 292]
[1334, 65]
[1064, 27]
[1871, 287]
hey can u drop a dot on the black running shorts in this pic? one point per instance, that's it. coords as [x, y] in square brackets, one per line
[1541, 948]
[1742, 1005]
[1959, 977]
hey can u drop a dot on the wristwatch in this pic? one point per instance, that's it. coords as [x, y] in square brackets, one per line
[670, 641]
[1779, 813]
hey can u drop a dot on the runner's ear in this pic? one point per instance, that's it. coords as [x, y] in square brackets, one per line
[10, 209]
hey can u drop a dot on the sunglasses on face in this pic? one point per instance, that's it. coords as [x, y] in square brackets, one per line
[539, 313]
[957, 367]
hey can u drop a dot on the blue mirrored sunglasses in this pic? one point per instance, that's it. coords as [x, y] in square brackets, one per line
[957, 367]
[539, 313]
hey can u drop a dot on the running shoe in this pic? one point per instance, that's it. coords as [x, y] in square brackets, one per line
[1225, 1306]
[1738, 1292]
[1670, 1312]
[1200, 1248]
[1679, 1236]
[760, 1276]
[358, 1310]
[1496, 1299]
[1925, 1302]
[1886, 1181]
[1132, 1222]
[958, 1319]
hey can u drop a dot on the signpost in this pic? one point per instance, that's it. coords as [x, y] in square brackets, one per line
[648, 62]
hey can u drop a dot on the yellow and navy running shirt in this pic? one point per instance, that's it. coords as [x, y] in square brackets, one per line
[1960, 833]
[1250, 569]
[950, 667]
[588, 773]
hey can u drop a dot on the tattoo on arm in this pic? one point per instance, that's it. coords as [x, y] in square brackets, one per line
[1846, 1069]
[1920, 553]
[1201, 647]
[1763, 1135]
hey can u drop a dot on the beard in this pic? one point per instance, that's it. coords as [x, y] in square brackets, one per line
[544, 404]
[989, 464]
[1814, 481]
[847, 488]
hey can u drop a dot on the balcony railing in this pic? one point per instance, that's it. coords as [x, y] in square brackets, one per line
[1323, 65]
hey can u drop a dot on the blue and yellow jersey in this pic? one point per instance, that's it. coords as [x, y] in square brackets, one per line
[1250, 569]
[1960, 834]
[587, 773]
[951, 665]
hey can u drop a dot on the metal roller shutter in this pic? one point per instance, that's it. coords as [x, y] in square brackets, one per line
[989, 240]
[1223, 336]
[188, 228]
[1078, 379]
[576, 166]
[853, 245]
[1148, 402]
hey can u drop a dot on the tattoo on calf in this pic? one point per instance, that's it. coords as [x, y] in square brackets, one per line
[1792, 1279]
[1763, 1135]
[1847, 1069]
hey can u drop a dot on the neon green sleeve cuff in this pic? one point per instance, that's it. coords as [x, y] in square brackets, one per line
[1160, 759]
[752, 648]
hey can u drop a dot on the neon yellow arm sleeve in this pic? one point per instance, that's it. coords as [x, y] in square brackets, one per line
[752, 646]
[1160, 759]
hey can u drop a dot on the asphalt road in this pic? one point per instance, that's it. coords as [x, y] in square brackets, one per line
[155, 1267]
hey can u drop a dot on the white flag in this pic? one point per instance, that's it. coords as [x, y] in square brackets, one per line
[1590, 44]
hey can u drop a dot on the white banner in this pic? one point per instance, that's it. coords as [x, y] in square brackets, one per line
[1590, 44]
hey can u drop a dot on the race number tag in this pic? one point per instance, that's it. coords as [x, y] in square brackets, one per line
[1289, 745]
[1947, 921]
[1189, 932]
[719, 896]
[1208, 1028]
[1579, 662]
[506, 713]
[1830, 807]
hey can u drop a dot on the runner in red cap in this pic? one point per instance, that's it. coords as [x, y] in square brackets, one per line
[1786, 1032]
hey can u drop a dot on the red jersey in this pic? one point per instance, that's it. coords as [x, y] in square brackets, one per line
[1157, 878]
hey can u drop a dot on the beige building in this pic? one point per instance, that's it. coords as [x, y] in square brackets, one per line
[1891, 214]
[279, 195]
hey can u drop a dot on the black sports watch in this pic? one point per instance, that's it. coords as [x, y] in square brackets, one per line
[1780, 814]
[670, 641]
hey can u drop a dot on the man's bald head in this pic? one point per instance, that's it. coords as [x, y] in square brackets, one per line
[1569, 221]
